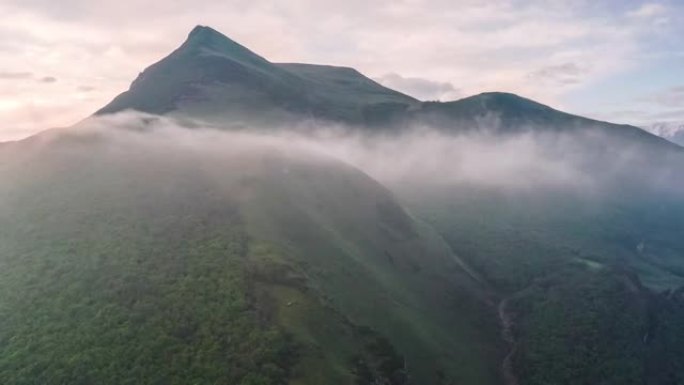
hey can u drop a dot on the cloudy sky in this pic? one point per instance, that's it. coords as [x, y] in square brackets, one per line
[619, 60]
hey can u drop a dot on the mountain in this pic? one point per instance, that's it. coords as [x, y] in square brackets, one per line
[509, 243]
[510, 113]
[212, 77]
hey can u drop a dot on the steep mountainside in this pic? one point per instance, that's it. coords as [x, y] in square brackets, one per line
[590, 275]
[139, 257]
[213, 78]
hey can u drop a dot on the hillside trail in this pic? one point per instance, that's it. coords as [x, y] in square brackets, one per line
[506, 322]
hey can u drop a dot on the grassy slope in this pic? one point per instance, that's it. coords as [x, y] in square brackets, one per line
[123, 263]
[119, 274]
[368, 259]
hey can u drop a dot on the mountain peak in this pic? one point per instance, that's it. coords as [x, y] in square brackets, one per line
[203, 29]
[503, 102]
[204, 34]
[507, 99]
[203, 39]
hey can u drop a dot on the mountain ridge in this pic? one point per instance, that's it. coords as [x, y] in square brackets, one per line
[211, 68]
[214, 78]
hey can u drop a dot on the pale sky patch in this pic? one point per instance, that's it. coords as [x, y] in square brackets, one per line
[423, 89]
[649, 10]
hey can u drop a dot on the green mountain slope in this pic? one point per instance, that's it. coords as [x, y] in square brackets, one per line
[213, 78]
[296, 268]
[134, 257]
[206, 59]
[585, 274]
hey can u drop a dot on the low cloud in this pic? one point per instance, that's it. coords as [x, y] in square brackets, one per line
[422, 89]
[48, 79]
[566, 73]
[429, 158]
[418, 157]
[667, 130]
[587, 165]
[15, 75]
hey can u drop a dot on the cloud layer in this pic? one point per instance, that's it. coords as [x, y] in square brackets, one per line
[581, 162]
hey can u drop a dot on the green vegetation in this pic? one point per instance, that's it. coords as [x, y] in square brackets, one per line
[665, 338]
[124, 271]
[112, 297]
[570, 267]
[120, 264]
[579, 327]
[139, 260]
[379, 268]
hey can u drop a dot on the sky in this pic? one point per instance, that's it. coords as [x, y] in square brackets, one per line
[616, 60]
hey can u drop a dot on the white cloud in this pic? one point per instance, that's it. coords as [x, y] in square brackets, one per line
[649, 10]
[15, 75]
[559, 74]
[421, 89]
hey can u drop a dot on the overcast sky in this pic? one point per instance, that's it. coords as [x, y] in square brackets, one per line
[619, 60]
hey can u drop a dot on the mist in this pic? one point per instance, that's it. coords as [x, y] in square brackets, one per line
[584, 162]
